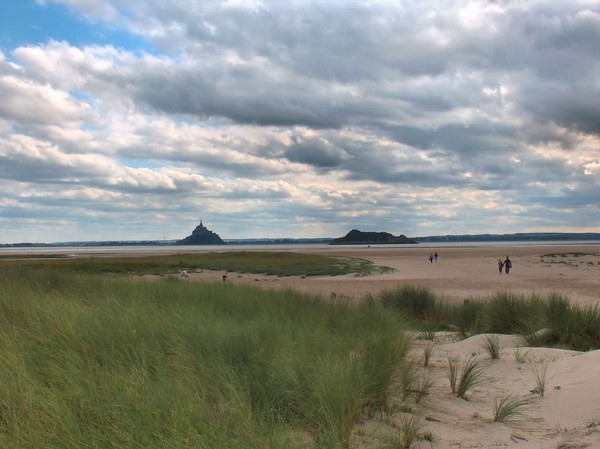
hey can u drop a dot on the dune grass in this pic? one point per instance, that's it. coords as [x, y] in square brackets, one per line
[404, 434]
[417, 304]
[491, 345]
[540, 377]
[472, 374]
[509, 408]
[565, 324]
[92, 361]
[453, 364]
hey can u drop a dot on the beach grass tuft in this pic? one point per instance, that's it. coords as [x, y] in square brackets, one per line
[540, 377]
[405, 433]
[472, 374]
[453, 366]
[491, 345]
[510, 408]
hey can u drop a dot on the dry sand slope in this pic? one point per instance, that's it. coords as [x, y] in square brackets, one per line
[566, 417]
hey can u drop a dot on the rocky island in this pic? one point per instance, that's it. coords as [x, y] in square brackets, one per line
[201, 236]
[356, 237]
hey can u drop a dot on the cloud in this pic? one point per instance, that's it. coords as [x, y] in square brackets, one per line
[421, 117]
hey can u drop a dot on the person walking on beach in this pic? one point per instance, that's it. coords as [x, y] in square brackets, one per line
[431, 257]
[435, 256]
[507, 265]
[500, 265]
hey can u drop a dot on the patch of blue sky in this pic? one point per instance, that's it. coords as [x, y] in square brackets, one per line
[154, 164]
[82, 96]
[25, 22]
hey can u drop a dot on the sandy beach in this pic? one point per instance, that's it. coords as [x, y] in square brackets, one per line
[459, 273]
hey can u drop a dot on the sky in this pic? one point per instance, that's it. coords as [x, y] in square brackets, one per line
[136, 119]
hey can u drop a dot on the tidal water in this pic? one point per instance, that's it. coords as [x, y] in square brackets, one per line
[141, 250]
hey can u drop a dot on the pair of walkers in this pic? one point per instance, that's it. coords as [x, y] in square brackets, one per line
[507, 265]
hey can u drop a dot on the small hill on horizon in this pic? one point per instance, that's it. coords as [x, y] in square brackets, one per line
[201, 236]
[356, 237]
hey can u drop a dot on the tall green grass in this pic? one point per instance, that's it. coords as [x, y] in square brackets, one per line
[417, 304]
[565, 324]
[101, 362]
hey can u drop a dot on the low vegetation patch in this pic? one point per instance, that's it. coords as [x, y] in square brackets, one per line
[268, 262]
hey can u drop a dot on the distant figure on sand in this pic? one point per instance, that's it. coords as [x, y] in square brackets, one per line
[507, 265]
[184, 276]
[500, 265]
[431, 257]
[435, 256]
[225, 277]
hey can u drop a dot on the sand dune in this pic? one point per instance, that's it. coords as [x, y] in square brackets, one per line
[566, 417]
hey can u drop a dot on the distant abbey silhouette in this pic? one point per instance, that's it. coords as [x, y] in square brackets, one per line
[201, 236]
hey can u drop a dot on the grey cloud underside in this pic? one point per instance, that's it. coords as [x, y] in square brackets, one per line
[319, 48]
[572, 106]
[317, 152]
[249, 99]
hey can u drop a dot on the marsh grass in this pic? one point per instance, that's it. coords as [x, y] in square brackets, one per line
[268, 262]
[106, 362]
[510, 408]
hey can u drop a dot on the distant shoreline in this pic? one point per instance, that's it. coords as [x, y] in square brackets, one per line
[464, 269]
[540, 237]
[149, 250]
